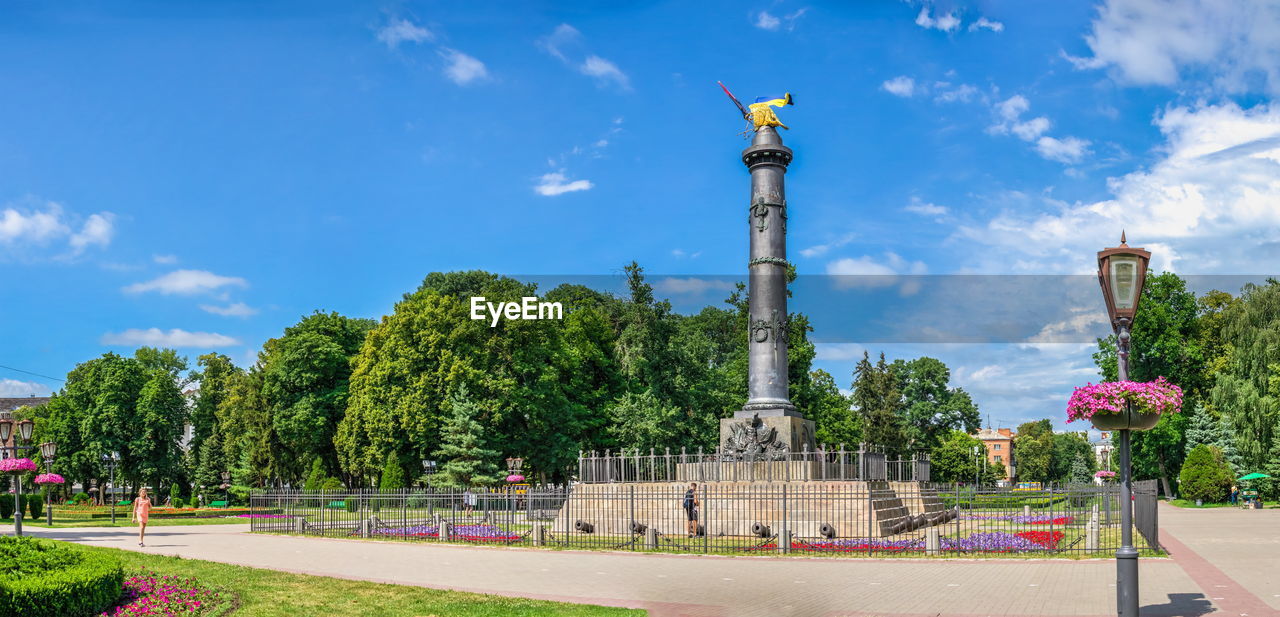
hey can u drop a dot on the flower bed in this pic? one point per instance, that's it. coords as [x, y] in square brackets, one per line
[981, 542]
[261, 516]
[469, 533]
[1034, 519]
[147, 594]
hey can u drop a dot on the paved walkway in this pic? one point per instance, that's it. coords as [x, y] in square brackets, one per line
[1233, 552]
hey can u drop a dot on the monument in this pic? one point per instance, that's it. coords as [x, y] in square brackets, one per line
[768, 427]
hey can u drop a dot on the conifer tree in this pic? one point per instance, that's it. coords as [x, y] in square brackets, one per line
[468, 462]
[392, 474]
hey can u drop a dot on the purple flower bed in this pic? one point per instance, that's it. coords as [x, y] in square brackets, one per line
[991, 542]
[1034, 519]
[478, 533]
[981, 542]
[261, 516]
[152, 596]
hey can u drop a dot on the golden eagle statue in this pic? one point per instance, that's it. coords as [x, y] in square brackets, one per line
[760, 113]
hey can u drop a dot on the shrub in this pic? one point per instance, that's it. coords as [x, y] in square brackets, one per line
[80, 498]
[177, 502]
[35, 505]
[175, 493]
[1205, 475]
[43, 578]
[6, 507]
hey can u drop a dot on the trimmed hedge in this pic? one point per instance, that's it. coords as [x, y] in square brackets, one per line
[44, 578]
[35, 505]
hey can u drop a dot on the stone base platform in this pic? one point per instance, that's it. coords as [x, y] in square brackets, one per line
[852, 509]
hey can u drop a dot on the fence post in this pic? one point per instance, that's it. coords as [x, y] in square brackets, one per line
[932, 542]
[706, 518]
[631, 508]
[784, 538]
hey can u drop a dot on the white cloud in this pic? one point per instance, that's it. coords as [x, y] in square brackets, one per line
[1210, 200]
[927, 209]
[1009, 121]
[461, 68]
[946, 23]
[557, 183]
[900, 86]
[1229, 45]
[97, 230]
[565, 44]
[1066, 150]
[692, 285]
[838, 352]
[400, 30]
[821, 249]
[605, 71]
[155, 337]
[986, 24]
[187, 282]
[13, 388]
[165, 259]
[949, 94]
[765, 21]
[236, 309]
[868, 266]
[47, 224]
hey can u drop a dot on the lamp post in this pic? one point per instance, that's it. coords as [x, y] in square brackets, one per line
[226, 487]
[111, 460]
[22, 435]
[428, 469]
[1121, 272]
[977, 467]
[48, 450]
[513, 468]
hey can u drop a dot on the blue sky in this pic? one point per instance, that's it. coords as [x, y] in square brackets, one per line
[201, 176]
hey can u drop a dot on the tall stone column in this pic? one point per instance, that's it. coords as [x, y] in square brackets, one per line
[767, 385]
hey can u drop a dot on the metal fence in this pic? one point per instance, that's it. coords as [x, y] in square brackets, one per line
[822, 464]
[832, 518]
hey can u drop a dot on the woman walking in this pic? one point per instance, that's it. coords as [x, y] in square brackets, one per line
[142, 512]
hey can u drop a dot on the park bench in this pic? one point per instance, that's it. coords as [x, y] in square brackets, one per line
[336, 505]
[124, 502]
[218, 504]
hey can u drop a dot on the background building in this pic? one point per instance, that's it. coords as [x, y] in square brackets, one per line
[999, 443]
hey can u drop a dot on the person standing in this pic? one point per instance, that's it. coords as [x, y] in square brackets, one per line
[468, 501]
[141, 513]
[1235, 494]
[691, 508]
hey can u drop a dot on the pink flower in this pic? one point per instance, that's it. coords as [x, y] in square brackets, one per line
[1158, 397]
[49, 478]
[16, 465]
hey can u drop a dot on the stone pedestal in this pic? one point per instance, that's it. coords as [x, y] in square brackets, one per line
[793, 431]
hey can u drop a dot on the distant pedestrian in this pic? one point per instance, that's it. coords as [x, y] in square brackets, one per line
[468, 501]
[1235, 494]
[691, 508]
[141, 513]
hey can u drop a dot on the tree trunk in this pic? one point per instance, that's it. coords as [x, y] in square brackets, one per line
[1164, 476]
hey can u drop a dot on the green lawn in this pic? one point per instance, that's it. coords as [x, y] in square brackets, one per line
[1187, 503]
[267, 593]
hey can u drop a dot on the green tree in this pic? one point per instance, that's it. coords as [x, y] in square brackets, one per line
[832, 414]
[214, 373]
[1081, 470]
[1033, 449]
[931, 407]
[877, 399]
[953, 460]
[1067, 448]
[1167, 341]
[641, 421]
[316, 477]
[1205, 428]
[392, 475]
[1205, 475]
[467, 460]
[305, 375]
[160, 416]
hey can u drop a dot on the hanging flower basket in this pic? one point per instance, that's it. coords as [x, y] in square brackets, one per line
[1105, 476]
[515, 477]
[49, 478]
[1120, 405]
[16, 466]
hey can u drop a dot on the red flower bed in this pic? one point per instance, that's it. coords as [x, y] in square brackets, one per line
[1047, 539]
[1061, 520]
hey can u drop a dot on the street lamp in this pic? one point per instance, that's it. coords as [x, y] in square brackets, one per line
[977, 466]
[48, 450]
[226, 487]
[1121, 272]
[428, 469]
[21, 441]
[111, 460]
